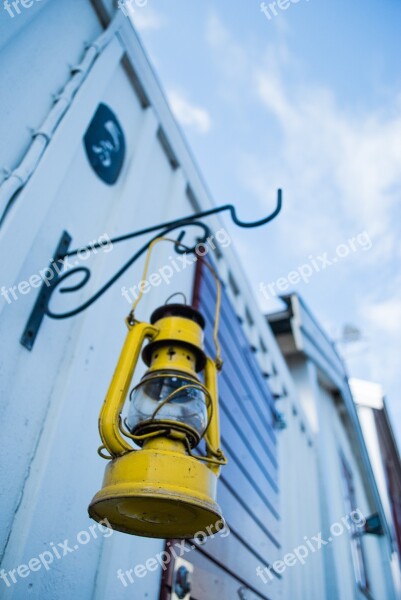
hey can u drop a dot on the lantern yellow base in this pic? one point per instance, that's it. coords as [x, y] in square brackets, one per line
[159, 492]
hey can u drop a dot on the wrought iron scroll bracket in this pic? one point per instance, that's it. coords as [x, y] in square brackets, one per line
[58, 275]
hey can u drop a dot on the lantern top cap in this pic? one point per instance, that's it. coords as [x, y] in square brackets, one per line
[178, 310]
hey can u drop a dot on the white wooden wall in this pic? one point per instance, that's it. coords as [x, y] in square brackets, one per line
[331, 437]
[50, 397]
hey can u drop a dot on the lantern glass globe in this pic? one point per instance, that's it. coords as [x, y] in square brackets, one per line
[187, 407]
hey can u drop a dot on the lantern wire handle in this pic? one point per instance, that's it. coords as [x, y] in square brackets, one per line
[220, 460]
[102, 455]
[138, 438]
[192, 385]
[146, 268]
[176, 294]
[131, 317]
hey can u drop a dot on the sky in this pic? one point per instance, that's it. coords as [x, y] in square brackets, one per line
[307, 99]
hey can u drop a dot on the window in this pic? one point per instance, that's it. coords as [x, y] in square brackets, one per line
[168, 150]
[233, 284]
[358, 556]
[249, 317]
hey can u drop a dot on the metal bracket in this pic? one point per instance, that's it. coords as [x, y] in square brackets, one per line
[39, 310]
[62, 253]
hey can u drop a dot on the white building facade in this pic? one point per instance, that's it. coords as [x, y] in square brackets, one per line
[355, 564]
[65, 66]
[384, 457]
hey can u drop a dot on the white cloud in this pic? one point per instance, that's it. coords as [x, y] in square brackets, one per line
[145, 18]
[324, 154]
[350, 163]
[230, 55]
[341, 175]
[382, 321]
[339, 167]
[385, 316]
[189, 114]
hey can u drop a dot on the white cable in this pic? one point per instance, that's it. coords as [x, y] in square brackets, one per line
[41, 137]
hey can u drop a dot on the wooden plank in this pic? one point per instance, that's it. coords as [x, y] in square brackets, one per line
[234, 337]
[236, 395]
[247, 396]
[239, 486]
[239, 479]
[230, 553]
[247, 525]
[265, 475]
[248, 488]
[235, 346]
[211, 581]
[240, 415]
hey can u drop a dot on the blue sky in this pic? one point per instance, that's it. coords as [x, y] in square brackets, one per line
[308, 100]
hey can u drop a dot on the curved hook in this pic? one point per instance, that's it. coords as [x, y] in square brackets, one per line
[181, 248]
[78, 286]
[112, 280]
[267, 219]
[72, 288]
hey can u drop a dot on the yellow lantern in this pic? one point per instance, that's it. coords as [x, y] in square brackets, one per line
[164, 489]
